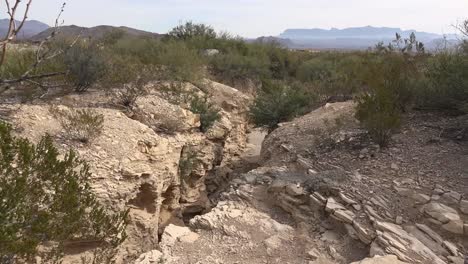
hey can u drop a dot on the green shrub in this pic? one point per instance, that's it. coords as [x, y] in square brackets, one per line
[379, 114]
[85, 66]
[231, 68]
[390, 79]
[279, 102]
[191, 30]
[187, 162]
[82, 125]
[128, 96]
[447, 82]
[47, 199]
[397, 73]
[209, 114]
[179, 62]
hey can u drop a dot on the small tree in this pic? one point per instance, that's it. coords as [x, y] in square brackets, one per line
[47, 199]
[191, 30]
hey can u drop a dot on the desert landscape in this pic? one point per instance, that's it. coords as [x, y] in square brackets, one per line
[197, 146]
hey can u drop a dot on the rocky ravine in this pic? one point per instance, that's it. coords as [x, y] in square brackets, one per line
[321, 192]
[136, 166]
[326, 194]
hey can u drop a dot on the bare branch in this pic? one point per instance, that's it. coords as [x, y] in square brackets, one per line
[12, 28]
[25, 16]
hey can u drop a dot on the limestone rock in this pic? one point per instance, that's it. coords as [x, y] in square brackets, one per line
[332, 205]
[294, 190]
[421, 198]
[344, 216]
[464, 206]
[364, 235]
[454, 226]
[272, 242]
[392, 238]
[441, 212]
[388, 259]
[151, 257]
[173, 233]
[451, 197]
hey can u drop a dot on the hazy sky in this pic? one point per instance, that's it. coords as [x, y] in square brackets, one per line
[253, 18]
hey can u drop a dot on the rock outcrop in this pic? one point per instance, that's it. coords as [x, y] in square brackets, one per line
[137, 166]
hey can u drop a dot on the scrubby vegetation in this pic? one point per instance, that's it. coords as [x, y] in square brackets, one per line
[208, 112]
[82, 125]
[387, 80]
[47, 199]
[278, 102]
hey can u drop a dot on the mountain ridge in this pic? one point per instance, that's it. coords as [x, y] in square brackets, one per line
[355, 32]
[30, 28]
[93, 32]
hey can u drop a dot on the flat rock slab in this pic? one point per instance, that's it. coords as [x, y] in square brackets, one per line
[441, 212]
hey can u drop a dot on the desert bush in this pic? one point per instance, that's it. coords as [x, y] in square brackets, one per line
[234, 67]
[390, 80]
[208, 112]
[188, 161]
[180, 63]
[278, 102]
[169, 124]
[85, 66]
[82, 125]
[447, 82]
[397, 73]
[128, 96]
[47, 199]
[379, 114]
[191, 30]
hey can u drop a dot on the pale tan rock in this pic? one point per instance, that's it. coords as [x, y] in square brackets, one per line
[388, 259]
[441, 212]
[151, 257]
[421, 198]
[344, 216]
[454, 226]
[464, 206]
[332, 205]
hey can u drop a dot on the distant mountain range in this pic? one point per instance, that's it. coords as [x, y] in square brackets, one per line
[355, 38]
[30, 28]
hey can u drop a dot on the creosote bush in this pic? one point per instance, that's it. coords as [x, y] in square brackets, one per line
[47, 199]
[208, 112]
[85, 66]
[82, 125]
[447, 82]
[279, 102]
[379, 114]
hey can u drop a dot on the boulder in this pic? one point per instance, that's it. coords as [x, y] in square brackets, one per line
[441, 212]
[151, 257]
[464, 206]
[173, 233]
[332, 205]
[421, 198]
[454, 226]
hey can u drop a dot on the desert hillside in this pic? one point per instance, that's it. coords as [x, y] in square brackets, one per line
[122, 146]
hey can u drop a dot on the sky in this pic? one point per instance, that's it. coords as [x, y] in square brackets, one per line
[254, 18]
